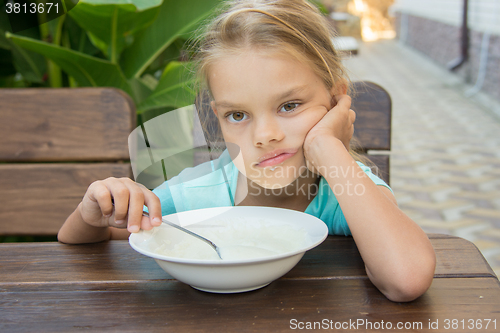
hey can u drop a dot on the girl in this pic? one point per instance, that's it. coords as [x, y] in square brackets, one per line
[278, 90]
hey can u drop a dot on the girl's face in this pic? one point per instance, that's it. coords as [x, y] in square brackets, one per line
[266, 104]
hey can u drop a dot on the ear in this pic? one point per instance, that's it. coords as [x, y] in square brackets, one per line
[340, 88]
[212, 104]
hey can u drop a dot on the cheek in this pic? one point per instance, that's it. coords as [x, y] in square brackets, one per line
[227, 134]
[234, 136]
[237, 144]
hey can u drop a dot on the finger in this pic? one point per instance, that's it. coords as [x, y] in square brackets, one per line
[99, 193]
[146, 223]
[352, 116]
[142, 196]
[343, 102]
[121, 196]
[135, 208]
[154, 207]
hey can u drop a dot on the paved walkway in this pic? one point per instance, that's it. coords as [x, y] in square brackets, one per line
[445, 159]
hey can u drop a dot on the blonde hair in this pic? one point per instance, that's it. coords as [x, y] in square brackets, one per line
[293, 27]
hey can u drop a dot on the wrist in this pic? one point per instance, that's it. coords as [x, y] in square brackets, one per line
[76, 230]
[322, 147]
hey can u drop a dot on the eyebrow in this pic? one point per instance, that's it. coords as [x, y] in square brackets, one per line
[286, 94]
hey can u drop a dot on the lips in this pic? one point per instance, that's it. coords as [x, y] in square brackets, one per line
[276, 157]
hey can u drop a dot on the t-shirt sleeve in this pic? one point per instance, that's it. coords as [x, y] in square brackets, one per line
[376, 179]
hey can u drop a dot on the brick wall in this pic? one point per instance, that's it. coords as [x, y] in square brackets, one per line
[484, 15]
[441, 42]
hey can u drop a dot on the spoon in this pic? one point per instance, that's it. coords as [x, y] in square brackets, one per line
[212, 244]
[215, 247]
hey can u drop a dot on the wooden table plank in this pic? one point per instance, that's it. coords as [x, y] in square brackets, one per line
[52, 287]
[459, 257]
[116, 261]
[55, 262]
[160, 306]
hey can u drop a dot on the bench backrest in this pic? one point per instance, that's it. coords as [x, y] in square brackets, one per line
[53, 144]
[372, 128]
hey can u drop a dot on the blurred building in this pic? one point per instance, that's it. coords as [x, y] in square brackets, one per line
[365, 19]
[467, 42]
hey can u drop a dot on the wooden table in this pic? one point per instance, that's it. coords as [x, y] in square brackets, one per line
[51, 287]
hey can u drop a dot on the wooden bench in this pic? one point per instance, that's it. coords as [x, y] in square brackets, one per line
[53, 144]
[372, 128]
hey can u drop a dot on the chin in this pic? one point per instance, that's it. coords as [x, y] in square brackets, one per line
[272, 185]
[279, 178]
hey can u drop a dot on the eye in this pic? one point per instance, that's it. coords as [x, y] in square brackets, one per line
[236, 117]
[289, 106]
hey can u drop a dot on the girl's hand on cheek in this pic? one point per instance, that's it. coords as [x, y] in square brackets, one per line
[338, 123]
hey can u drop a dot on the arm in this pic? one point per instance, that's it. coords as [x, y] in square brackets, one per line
[398, 255]
[92, 218]
[75, 230]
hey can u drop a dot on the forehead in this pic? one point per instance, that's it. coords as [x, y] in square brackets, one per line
[255, 73]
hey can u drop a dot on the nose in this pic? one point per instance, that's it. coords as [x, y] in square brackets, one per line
[267, 130]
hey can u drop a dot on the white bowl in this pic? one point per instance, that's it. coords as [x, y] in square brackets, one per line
[230, 276]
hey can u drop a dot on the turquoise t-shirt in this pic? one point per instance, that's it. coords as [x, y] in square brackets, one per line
[213, 184]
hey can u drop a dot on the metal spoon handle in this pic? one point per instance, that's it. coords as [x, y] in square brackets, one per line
[215, 247]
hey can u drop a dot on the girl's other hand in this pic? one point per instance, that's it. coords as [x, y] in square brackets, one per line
[129, 198]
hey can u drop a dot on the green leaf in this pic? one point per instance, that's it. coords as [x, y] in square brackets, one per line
[140, 89]
[85, 69]
[171, 53]
[31, 65]
[150, 81]
[98, 43]
[4, 43]
[175, 88]
[140, 4]
[78, 37]
[176, 18]
[109, 23]
[6, 66]
[322, 8]
[153, 113]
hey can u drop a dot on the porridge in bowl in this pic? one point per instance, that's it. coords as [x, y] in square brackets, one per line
[258, 245]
